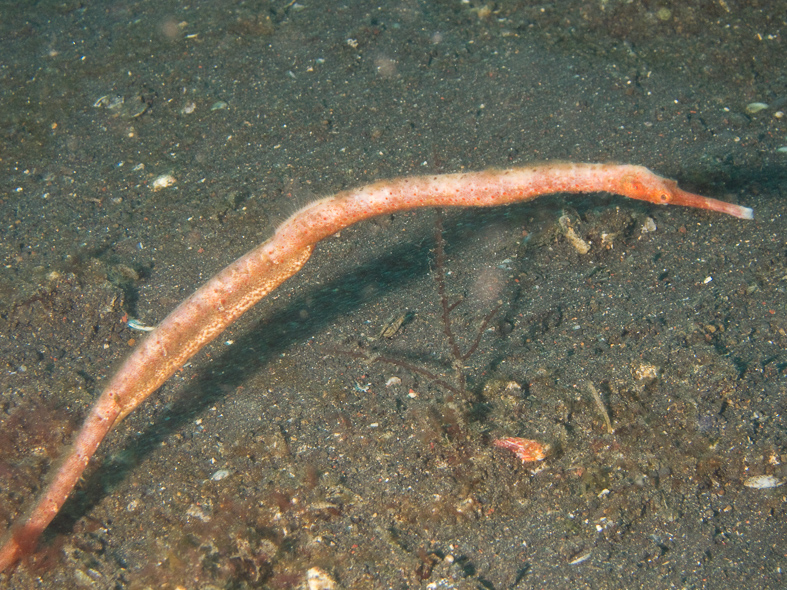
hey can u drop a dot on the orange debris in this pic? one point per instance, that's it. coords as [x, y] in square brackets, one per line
[524, 448]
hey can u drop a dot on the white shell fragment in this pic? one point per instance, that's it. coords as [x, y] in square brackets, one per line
[163, 181]
[755, 107]
[580, 558]
[137, 325]
[648, 226]
[761, 482]
[220, 474]
[317, 579]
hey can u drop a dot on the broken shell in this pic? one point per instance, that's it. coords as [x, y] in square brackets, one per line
[648, 226]
[584, 556]
[500, 387]
[317, 579]
[607, 240]
[220, 474]
[113, 103]
[761, 482]
[755, 107]
[137, 325]
[163, 181]
[392, 326]
[645, 371]
[524, 448]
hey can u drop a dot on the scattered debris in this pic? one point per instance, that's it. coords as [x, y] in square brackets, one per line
[317, 579]
[608, 239]
[645, 371]
[600, 404]
[524, 448]
[135, 324]
[196, 511]
[762, 482]
[580, 558]
[755, 107]
[120, 106]
[648, 226]
[161, 182]
[220, 474]
[579, 244]
[391, 327]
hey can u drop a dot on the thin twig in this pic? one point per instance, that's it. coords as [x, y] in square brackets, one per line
[439, 279]
[601, 407]
[484, 323]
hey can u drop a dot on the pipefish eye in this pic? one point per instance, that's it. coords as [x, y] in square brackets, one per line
[664, 198]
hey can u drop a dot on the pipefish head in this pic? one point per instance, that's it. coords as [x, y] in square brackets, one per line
[644, 185]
